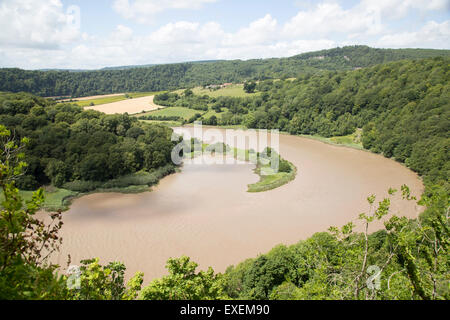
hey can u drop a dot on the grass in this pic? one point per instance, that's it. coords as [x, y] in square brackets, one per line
[212, 112]
[106, 100]
[164, 123]
[100, 101]
[269, 179]
[352, 140]
[60, 198]
[55, 198]
[135, 95]
[184, 113]
[235, 90]
[272, 181]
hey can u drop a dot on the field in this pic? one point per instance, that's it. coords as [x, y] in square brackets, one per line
[173, 111]
[352, 140]
[100, 101]
[212, 112]
[137, 104]
[235, 90]
[165, 123]
[110, 98]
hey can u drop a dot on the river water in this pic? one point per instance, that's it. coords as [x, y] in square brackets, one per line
[205, 212]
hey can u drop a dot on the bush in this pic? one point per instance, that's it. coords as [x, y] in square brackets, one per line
[284, 166]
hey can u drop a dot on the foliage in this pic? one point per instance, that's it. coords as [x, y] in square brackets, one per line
[25, 241]
[186, 75]
[68, 144]
[99, 282]
[183, 283]
[410, 256]
[403, 108]
[249, 87]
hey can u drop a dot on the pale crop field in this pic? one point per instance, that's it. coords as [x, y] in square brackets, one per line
[130, 106]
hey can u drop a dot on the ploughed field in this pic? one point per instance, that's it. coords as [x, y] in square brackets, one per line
[205, 211]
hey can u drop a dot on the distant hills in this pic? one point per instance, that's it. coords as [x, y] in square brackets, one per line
[143, 78]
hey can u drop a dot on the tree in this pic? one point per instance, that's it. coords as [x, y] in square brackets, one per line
[26, 242]
[249, 87]
[99, 282]
[183, 283]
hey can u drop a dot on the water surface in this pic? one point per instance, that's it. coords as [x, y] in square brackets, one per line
[205, 212]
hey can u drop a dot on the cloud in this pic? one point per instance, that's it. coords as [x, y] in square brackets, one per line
[37, 24]
[313, 27]
[431, 35]
[261, 31]
[143, 11]
[365, 19]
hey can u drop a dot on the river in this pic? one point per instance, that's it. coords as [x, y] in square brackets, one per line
[205, 212]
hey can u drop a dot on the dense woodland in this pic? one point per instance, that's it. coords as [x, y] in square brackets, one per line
[77, 149]
[403, 108]
[182, 75]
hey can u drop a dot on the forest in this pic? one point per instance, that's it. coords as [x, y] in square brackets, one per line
[182, 75]
[80, 150]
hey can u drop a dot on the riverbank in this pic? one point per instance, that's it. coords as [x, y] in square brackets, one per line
[60, 199]
[204, 211]
[352, 140]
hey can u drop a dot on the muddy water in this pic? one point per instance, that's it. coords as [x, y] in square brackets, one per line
[205, 212]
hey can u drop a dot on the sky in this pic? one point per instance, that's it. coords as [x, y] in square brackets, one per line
[86, 34]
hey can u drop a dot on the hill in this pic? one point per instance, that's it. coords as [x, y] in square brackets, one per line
[174, 76]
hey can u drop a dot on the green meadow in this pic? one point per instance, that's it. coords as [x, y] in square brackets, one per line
[184, 113]
[235, 90]
[55, 198]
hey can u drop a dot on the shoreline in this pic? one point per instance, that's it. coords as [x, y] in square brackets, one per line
[67, 201]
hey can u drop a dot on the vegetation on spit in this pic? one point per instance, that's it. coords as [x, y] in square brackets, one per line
[272, 174]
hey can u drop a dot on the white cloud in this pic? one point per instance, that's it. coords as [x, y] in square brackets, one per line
[367, 18]
[261, 31]
[36, 23]
[395, 9]
[330, 18]
[431, 35]
[143, 11]
[314, 27]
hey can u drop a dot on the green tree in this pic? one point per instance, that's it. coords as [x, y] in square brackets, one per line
[250, 87]
[183, 283]
[99, 282]
[26, 242]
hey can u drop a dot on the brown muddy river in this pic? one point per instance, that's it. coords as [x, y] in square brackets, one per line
[205, 212]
